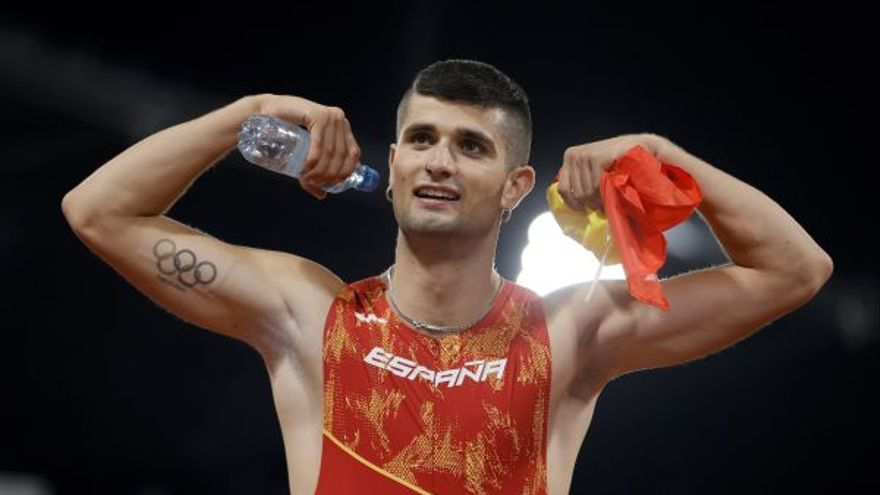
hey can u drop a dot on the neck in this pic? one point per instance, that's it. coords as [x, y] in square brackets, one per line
[444, 281]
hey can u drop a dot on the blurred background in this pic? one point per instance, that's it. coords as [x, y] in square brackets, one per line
[102, 392]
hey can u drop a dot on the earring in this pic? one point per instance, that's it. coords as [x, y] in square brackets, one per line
[505, 215]
[388, 194]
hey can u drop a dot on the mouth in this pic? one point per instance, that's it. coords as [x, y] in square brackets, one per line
[435, 196]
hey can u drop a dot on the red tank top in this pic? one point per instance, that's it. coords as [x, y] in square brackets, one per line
[408, 413]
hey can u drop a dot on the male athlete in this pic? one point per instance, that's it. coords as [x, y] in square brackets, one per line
[438, 375]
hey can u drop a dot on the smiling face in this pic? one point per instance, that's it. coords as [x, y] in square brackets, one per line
[457, 151]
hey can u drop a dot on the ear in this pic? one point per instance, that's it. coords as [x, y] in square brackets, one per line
[392, 149]
[519, 183]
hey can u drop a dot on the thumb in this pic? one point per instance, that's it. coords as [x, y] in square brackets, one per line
[313, 189]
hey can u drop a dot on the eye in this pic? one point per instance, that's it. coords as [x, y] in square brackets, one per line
[472, 147]
[420, 138]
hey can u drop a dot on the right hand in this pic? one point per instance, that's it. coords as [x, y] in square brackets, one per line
[333, 151]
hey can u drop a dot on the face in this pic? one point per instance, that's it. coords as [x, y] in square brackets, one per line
[460, 152]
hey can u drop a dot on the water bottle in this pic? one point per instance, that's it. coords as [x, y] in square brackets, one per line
[282, 146]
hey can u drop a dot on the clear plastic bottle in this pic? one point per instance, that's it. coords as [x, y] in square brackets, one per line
[282, 146]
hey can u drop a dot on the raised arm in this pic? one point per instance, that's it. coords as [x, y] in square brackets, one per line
[258, 296]
[775, 268]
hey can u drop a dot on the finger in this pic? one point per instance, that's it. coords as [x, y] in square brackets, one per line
[576, 189]
[577, 179]
[595, 195]
[591, 204]
[353, 150]
[565, 178]
[337, 166]
[564, 186]
[317, 192]
[594, 201]
[315, 149]
[588, 170]
[312, 189]
[322, 139]
[319, 175]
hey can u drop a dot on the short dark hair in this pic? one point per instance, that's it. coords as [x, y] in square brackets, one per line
[477, 83]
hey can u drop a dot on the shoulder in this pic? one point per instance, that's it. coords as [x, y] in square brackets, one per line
[575, 320]
[306, 289]
[570, 303]
[303, 279]
[329, 290]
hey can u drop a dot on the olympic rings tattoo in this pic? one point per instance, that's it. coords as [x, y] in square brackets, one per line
[183, 263]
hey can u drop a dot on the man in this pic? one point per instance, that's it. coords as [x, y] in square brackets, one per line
[438, 376]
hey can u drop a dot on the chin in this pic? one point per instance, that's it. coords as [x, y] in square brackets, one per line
[429, 228]
[421, 223]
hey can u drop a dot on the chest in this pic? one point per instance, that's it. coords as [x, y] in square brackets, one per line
[473, 412]
[467, 410]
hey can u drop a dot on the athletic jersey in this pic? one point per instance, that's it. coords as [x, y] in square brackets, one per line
[462, 413]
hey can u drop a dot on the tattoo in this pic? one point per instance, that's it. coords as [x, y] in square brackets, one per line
[183, 263]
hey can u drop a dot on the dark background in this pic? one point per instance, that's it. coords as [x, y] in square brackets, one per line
[102, 392]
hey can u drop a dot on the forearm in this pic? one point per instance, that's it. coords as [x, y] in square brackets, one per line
[148, 178]
[753, 229]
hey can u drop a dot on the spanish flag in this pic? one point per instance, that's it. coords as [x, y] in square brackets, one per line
[642, 197]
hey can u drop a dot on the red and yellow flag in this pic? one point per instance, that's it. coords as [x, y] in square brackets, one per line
[642, 197]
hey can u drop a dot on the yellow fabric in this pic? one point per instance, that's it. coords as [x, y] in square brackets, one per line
[590, 228]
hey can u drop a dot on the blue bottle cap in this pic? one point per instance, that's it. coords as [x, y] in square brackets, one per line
[371, 180]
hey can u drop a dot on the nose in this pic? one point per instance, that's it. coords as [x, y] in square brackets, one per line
[440, 160]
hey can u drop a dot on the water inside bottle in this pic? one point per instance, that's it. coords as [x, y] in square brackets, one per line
[267, 141]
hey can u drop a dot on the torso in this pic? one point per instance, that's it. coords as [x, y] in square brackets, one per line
[298, 391]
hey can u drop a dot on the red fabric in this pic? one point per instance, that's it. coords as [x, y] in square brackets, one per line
[343, 473]
[642, 197]
[459, 414]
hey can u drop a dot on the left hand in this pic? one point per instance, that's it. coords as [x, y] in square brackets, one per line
[582, 167]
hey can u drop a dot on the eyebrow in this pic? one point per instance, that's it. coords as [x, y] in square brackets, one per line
[462, 131]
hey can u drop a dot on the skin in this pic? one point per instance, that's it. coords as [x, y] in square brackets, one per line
[445, 255]
[277, 302]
